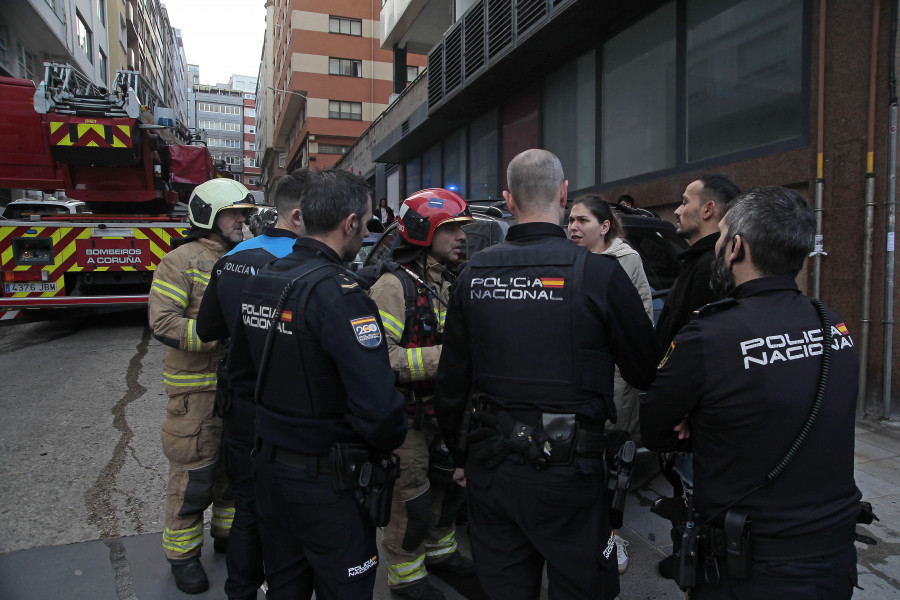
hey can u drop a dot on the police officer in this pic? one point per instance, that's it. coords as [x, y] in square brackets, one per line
[317, 344]
[191, 432]
[746, 371]
[218, 310]
[535, 327]
[422, 531]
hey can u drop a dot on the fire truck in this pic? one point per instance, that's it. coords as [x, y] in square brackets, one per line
[121, 152]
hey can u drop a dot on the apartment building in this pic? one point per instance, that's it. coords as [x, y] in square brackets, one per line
[325, 78]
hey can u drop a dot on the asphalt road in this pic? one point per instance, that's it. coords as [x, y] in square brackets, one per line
[82, 400]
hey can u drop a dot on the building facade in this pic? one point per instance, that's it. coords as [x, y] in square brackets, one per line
[325, 79]
[644, 97]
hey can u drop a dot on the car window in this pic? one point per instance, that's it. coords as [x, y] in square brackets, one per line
[480, 235]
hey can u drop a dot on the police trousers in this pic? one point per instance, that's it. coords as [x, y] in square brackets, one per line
[520, 518]
[244, 560]
[191, 438]
[314, 539]
[422, 529]
[830, 577]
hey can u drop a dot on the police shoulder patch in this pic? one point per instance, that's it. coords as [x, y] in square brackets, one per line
[367, 331]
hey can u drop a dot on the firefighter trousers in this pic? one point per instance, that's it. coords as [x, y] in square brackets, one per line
[422, 529]
[191, 437]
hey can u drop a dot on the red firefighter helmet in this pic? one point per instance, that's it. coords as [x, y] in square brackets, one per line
[426, 210]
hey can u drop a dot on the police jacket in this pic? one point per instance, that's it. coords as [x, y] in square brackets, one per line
[745, 371]
[415, 362]
[690, 291]
[538, 322]
[178, 285]
[328, 378]
[221, 306]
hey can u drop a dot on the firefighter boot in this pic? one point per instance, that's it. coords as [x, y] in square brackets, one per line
[190, 577]
[456, 565]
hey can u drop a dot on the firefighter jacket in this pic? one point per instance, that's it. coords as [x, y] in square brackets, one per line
[178, 285]
[746, 371]
[327, 377]
[417, 360]
[538, 323]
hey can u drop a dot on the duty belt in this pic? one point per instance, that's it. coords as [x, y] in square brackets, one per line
[796, 547]
[304, 462]
[551, 438]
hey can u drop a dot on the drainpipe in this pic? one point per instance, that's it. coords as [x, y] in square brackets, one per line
[820, 157]
[891, 224]
[869, 219]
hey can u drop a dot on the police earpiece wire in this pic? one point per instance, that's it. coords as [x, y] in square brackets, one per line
[824, 370]
[270, 334]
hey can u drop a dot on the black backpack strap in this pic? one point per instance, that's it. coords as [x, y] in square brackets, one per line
[409, 298]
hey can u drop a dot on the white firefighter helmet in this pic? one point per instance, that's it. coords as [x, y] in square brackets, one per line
[214, 195]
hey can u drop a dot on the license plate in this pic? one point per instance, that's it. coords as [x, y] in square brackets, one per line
[30, 287]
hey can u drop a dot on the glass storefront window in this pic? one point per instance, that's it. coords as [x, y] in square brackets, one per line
[431, 167]
[483, 158]
[569, 119]
[744, 75]
[455, 162]
[638, 112]
[413, 176]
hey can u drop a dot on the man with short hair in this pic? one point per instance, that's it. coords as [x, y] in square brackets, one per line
[535, 328]
[412, 298]
[739, 384]
[191, 433]
[218, 311]
[696, 219]
[316, 343]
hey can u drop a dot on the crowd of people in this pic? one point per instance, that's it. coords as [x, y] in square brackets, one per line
[312, 406]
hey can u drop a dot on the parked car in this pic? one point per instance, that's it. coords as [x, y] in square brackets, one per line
[654, 239]
[24, 208]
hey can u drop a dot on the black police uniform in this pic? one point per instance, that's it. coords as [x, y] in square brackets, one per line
[746, 371]
[327, 380]
[218, 310]
[536, 324]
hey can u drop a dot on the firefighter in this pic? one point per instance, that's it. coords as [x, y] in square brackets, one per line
[411, 295]
[191, 433]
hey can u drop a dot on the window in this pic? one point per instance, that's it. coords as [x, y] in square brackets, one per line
[569, 118]
[104, 67]
[331, 149]
[638, 98]
[249, 162]
[250, 112]
[411, 73]
[742, 85]
[4, 46]
[253, 181]
[232, 160]
[101, 12]
[344, 26]
[431, 167]
[26, 63]
[344, 110]
[455, 162]
[483, 149]
[250, 146]
[251, 129]
[345, 66]
[281, 159]
[123, 31]
[219, 108]
[744, 75]
[412, 172]
[84, 37]
[222, 143]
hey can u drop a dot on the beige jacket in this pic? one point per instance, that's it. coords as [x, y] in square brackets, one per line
[178, 285]
[631, 262]
[410, 364]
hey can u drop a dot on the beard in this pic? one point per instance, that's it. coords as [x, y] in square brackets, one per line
[721, 280]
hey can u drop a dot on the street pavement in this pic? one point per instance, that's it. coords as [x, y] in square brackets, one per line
[133, 567]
